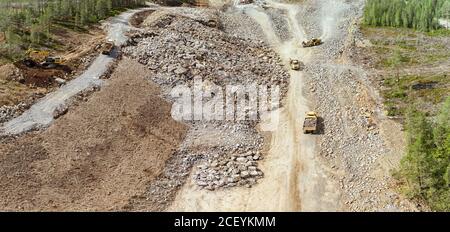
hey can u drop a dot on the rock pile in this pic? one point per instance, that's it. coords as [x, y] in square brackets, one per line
[8, 112]
[178, 47]
[229, 171]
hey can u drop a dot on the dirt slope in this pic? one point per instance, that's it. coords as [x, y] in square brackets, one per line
[96, 157]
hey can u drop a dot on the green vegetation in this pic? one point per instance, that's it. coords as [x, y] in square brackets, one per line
[425, 170]
[414, 66]
[416, 86]
[25, 23]
[425, 91]
[397, 48]
[418, 14]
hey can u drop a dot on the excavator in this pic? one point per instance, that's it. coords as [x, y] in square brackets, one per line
[42, 59]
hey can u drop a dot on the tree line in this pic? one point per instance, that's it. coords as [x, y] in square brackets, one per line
[24, 22]
[426, 166]
[418, 14]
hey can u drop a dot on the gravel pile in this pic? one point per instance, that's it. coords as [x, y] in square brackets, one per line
[280, 24]
[240, 25]
[9, 112]
[183, 48]
[229, 171]
[178, 47]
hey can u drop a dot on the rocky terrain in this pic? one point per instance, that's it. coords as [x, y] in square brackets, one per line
[179, 45]
[354, 142]
[357, 147]
[224, 164]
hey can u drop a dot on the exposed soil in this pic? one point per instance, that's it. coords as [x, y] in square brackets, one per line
[97, 156]
[41, 77]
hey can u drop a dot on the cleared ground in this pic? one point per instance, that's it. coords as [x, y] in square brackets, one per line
[97, 156]
[412, 67]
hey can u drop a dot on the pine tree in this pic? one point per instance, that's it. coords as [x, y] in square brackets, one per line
[415, 164]
[417, 14]
[426, 166]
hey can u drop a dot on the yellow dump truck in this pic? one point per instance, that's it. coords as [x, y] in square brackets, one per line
[310, 123]
[296, 65]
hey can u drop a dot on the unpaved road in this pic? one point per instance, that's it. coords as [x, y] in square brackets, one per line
[41, 113]
[294, 179]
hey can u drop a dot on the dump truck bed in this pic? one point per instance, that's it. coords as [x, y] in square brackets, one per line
[310, 123]
[107, 48]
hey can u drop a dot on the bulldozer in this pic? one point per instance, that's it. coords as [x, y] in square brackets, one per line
[41, 58]
[312, 42]
[310, 123]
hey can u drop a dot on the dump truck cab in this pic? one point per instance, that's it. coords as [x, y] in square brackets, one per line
[296, 64]
[310, 123]
[52, 62]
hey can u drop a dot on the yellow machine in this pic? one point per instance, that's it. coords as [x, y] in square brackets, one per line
[312, 42]
[310, 123]
[296, 65]
[41, 58]
[108, 47]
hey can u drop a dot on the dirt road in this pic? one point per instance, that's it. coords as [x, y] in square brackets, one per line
[41, 113]
[294, 179]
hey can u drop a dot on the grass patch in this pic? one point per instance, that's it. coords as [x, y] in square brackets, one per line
[404, 48]
[424, 91]
[439, 33]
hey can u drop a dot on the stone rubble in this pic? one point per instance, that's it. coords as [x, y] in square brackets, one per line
[179, 45]
[229, 171]
[9, 112]
[179, 48]
[351, 143]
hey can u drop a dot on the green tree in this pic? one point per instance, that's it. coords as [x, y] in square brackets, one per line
[417, 14]
[426, 165]
[415, 164]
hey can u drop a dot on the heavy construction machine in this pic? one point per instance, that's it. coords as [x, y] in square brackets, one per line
[296, 65]
[41, 58]
[108, 47]
[310, 123]
[312, 42]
